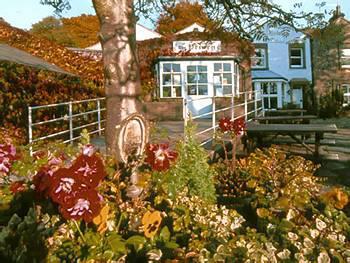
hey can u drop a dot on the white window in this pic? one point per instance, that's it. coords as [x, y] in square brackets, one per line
[345, 58]
[171, 80]
[346, 91]
[296, 57]
[197, 80]
[259, 60]
[223, 79]
[269, 94]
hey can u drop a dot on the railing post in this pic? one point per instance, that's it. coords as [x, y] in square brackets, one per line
[255, 103]
[232, 106]
[245, 106]
[30, 130]
[70, 117]
[213, 116]
[99, 117]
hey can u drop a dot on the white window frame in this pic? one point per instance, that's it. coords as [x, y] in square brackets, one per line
[171, 85]
[197, 83]
[269, 95]
[301, 57]
[262, 58]
[232, 72]
[345, 56]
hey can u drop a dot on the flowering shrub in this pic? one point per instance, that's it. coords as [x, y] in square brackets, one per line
[68, 204]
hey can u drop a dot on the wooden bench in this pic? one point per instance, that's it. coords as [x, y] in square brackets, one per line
[280, 112]
[258, 131]
[305, 119]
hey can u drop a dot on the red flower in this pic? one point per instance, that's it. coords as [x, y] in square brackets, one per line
[64, 185]
[225, 124]
[86, 205]
[88, 150]
[89, 170]
[17, 187]
[159, 156]
[239, 126]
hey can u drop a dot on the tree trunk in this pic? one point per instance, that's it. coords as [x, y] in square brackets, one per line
[121, 69]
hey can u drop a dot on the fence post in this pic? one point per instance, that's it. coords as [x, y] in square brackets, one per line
[70, 117]
[245, 106]
[232, 106]
[213, 115]
[99, 116]
[30, 129]
[255, 103]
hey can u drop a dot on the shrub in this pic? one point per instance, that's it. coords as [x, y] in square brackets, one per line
[331, 104]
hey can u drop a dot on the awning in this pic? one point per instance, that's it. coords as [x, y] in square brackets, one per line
[299, 81]
[266, 74]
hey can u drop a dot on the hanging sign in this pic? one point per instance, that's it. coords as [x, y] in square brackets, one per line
[197, 46]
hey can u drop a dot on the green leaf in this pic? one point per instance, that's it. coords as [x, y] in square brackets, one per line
[165, 234]
[171, 245]
[116, 243]
[136, 241]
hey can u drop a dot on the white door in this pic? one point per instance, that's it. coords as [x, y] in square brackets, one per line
[198, 90]
[297, 96]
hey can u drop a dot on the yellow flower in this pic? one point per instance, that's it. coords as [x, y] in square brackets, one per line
[101, 219]
[151, 223]
[336, 197]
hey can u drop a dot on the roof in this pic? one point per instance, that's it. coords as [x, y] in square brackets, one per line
[266, 74]
[191, 28]
[12, 54]
[142, 33]
[206, 58]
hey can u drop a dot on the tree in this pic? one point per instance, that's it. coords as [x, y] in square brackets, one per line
[183, 14]
[117, 36]
[80, 31]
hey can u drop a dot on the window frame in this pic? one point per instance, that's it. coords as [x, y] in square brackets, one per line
[197, 83]
[171, 85]
[301, 47]
[232, 72]
[264, 48]
[345, 57]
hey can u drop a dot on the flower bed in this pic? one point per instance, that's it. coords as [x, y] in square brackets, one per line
[74, 204]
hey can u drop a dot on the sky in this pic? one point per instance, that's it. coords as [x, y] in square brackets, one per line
[24, 13]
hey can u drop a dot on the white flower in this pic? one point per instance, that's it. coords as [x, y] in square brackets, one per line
[284, 254]
[308, 243]
[341, 238]
[298, 245]
[332, 237]
[314, 233]
[270, 247]
[320, 225]
[291, 214]
[323, 258]
[292, 236]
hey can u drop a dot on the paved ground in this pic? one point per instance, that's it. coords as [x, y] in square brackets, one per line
[335, 153]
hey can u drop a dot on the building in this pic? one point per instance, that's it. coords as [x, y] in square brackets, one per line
[336, 75]
[282, 68]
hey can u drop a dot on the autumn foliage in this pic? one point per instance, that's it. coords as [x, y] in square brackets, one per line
[60, 56]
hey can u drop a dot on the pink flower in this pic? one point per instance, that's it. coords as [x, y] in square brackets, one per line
[7, 157]
[88, 150]
[17, 187]
[5, 165]
[85, 205]
[89, 170]
[159, 156]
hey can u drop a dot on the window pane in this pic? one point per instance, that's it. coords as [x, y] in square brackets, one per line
[273, 102]
[202, 68]
[191, 90]
[296, 61]
[218, 90]
[273, 88]
[227, 67]
[217, 79]
[264, 87]
[177, 91]
[295, 52]
[166, 67]
[266, 103]
[166, 79]
[227, 78]
[202, 90]
[191, 68]
[202, 78]
[166, 91]
[176, 79]
[191, 77]
[176, 68]
[227, 90]
[217, 67]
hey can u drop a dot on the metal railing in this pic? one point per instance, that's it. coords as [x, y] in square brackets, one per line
[242, 103]
[67, 117]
